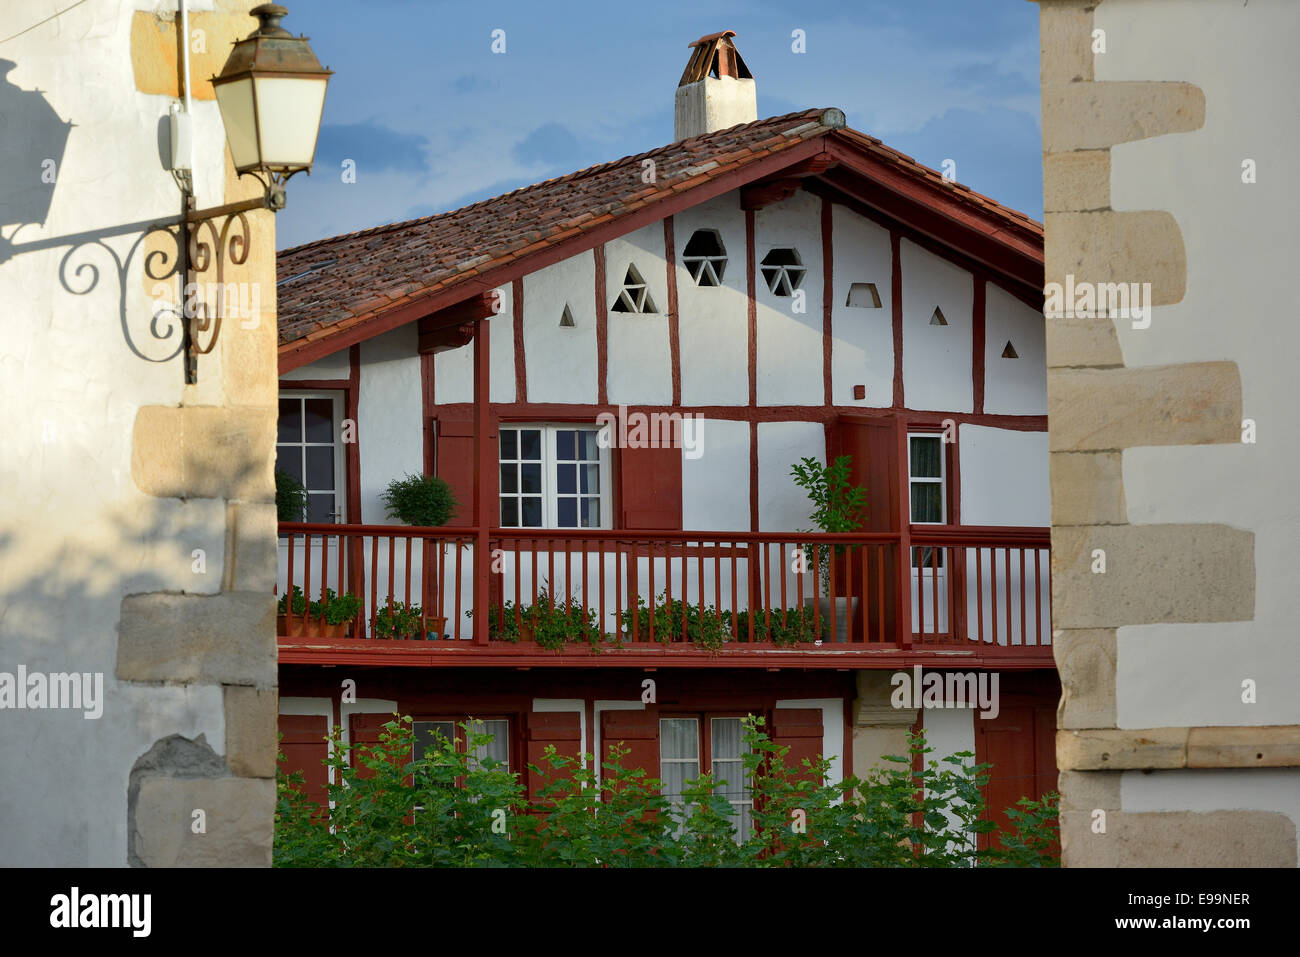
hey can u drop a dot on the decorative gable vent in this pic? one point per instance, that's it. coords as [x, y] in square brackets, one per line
[634, 297]
[705, 257]
[938, 319]
[863, 295]
[566, 318]
[783, 270]
[1009, 352]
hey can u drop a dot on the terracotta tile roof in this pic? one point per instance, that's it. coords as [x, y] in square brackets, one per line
[336, 283]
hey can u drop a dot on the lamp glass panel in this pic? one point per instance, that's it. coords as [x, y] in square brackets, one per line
[289, 113]
[235, 99]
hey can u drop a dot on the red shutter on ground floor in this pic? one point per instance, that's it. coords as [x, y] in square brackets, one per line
[455, 464]
[800, 730]
[363, 732]
[650, 495]
[304, 748]
[563, 729]
[638, 732]
[1020, 744]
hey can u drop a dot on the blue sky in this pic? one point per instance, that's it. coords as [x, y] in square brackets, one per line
[433, 119]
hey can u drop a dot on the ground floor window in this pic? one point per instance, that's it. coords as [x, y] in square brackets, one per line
[432, 733]
[692, 744]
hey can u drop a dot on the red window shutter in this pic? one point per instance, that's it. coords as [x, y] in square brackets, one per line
[363, 732]
[651, 488]
[455, 464]
[560, 728]
[638, 731]
[305, 750]
[800, 730]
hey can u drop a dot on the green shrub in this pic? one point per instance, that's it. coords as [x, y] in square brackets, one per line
[451, 809]
[335, 609]
[299, 602]
[836, 506]
[705, 627]
[290, 498]
[421, 500]
[789, 626]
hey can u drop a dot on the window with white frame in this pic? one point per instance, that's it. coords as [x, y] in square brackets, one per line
[553, 476]
[307, 448]
[927, 490]
[683, 752]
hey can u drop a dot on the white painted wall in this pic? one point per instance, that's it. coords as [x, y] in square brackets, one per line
[782, 505]
[76, 535]
[390, 446]
[862, 352]
[453, 371]
[936, 359]
[1004, 477]
[336, 365]
[789, 342]
[1013, 386]
[561, 361]
[640, 360]
[715, 487]
[713, 321]
[1240, 262]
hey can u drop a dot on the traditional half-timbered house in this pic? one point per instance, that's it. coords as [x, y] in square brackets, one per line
[775, 288]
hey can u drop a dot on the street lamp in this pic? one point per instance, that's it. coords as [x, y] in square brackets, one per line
[271, 93]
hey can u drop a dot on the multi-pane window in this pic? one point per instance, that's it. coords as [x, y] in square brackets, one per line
[307, 448]
[705, 258]
[553, 477]
[682, 754]
[429, 735]
[927, 491]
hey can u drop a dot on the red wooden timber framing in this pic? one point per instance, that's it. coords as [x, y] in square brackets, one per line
[828, 300]
[896, 305]
[602, 329]
[485, 469]
[674, 325]
[521, 358]
[977, 361]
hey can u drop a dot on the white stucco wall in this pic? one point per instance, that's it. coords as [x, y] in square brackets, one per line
[715, 487]
[1004, 477]
[640, 359]
[390, 445]
[713, 321]
[863, 349]
[936, 359]
[782, 505]
[1013, 386]
[561, 361]
[790, 343]
[1240, 252]
[76, 535]
[336, 365]
[453, 371]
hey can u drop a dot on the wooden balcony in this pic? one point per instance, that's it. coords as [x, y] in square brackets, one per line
[955, 596]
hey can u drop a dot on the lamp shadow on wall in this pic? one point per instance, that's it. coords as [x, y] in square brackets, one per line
[33, 142]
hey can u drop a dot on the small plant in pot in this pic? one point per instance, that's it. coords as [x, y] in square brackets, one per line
[400, 621]
[330, 618]
[837, 507]
[422, 500]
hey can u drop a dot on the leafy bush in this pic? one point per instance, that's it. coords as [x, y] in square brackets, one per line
[299, 602]
[398, 620]
[290, 498]
[422, 500]
[547, 621]
[789, 626]
[451, 808]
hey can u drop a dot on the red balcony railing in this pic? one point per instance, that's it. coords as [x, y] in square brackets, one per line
[933, 588]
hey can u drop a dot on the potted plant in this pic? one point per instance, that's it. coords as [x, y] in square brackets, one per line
[837, 507]
[421, 500]
[397, 620]
[290, 498]
[331, 618]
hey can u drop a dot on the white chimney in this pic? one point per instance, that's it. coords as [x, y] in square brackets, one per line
[717, 89]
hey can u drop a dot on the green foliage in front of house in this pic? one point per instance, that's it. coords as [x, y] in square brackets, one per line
[452, 809]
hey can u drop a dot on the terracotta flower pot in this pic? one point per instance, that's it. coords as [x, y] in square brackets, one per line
[433, 627]
[303, 627]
